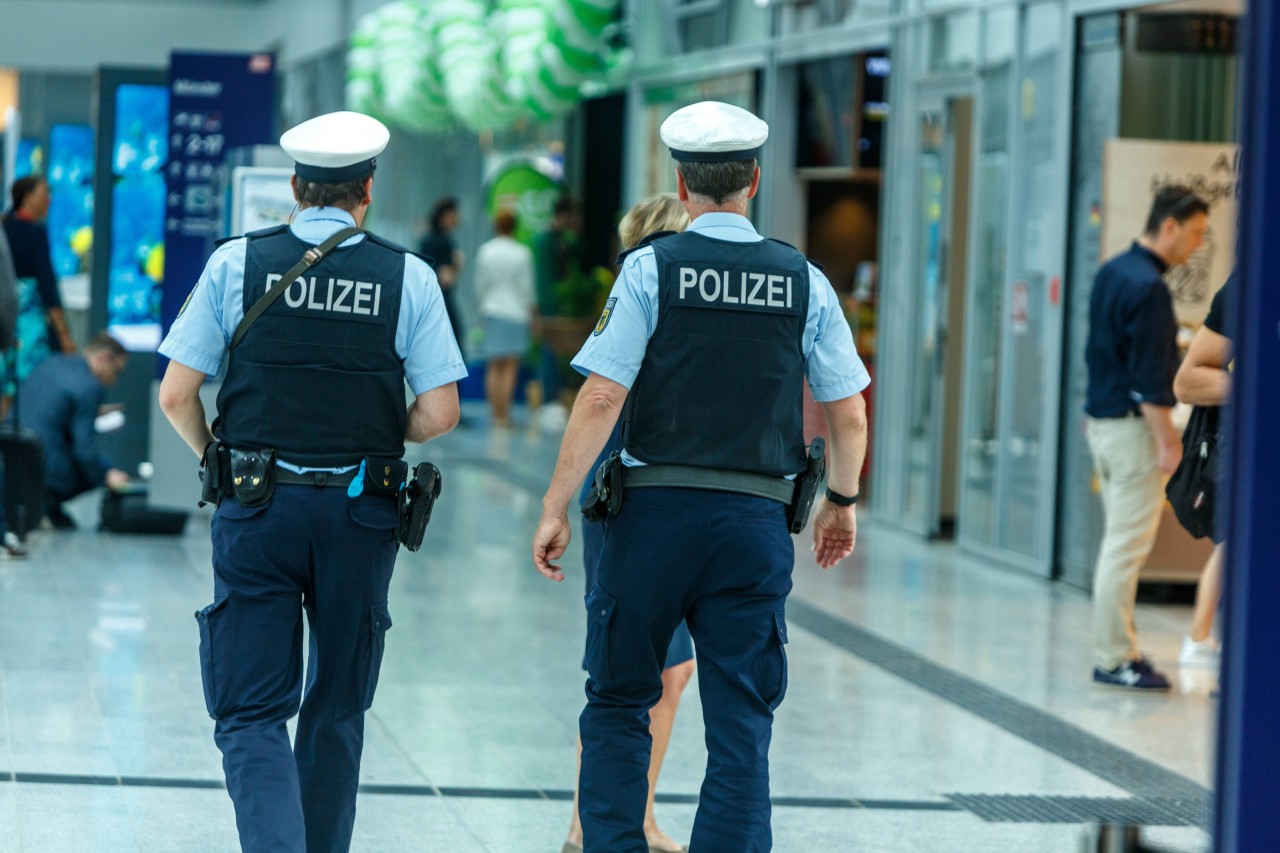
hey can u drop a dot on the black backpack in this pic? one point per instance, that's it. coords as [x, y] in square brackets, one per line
[1191, 490]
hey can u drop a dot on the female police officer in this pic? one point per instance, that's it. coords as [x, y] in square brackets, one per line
[318, 378]
[707, 337]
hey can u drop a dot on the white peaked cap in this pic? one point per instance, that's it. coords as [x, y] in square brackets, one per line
[336, 147]
[713, 131]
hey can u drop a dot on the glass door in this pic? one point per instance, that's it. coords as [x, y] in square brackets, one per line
[941, 198]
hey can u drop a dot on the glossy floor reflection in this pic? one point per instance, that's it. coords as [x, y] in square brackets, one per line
[917, 675]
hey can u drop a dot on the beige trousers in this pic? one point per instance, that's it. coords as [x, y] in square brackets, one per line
[1126, 461]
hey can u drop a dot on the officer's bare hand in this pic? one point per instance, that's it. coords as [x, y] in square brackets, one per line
[835, 531]
[549, 543]
[116, 479]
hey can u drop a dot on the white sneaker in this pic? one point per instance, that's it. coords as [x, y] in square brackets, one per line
[1203, 653]
[12, 545]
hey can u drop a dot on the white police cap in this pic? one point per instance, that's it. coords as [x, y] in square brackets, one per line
[713, 131]
[336, 147]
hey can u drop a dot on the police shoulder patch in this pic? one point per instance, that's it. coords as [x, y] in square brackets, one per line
[606, 314]
[187, 301]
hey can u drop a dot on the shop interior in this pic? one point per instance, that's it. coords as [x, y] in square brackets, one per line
[841, 115]
[1164, 77]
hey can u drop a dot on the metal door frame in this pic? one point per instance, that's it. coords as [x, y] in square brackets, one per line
[935, 96]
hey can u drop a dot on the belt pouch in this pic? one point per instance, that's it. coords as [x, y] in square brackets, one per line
[383, 476]
[215, 474]
[253, 476]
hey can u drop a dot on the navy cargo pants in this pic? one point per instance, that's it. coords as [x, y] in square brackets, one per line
[308, 550]
[722, 562]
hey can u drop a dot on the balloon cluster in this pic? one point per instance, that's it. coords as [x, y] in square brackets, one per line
[427, 65]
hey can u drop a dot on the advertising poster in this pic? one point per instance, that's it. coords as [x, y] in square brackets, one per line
[71, 164]
[30, 159]
[218, 102]
[1135, 170]
[138, 156]
[527, 191]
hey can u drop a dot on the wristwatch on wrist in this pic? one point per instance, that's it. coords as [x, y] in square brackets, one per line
[841, 500]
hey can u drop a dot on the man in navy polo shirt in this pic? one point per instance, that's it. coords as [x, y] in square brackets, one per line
[1132, 356]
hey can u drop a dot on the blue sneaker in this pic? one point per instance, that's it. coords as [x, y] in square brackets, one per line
[1133, 675]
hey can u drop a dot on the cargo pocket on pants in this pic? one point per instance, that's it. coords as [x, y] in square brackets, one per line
[600, 607]
[210, 619]
[780, 638]
[379, 622]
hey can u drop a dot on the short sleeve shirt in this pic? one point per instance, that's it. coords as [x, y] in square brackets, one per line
[1132, 350]
[1217, 319]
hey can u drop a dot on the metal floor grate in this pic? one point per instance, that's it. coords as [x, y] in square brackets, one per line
[1157, 811]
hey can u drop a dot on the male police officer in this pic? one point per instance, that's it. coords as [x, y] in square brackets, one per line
[318, 378]
[707, 337]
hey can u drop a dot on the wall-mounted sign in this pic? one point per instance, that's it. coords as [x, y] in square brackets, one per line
[217, 102]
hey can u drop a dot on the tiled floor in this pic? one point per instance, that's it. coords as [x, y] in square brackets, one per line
[915, 674]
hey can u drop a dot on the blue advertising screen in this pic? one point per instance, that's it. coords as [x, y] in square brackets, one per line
[140, 151]
[30, 159]
[71, 157]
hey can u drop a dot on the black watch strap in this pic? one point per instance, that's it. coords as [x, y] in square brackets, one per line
[841, 500]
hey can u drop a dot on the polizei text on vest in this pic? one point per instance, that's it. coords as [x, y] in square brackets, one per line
[340, 295]
[727, 287]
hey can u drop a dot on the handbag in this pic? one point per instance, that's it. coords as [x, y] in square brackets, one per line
[1191, 490]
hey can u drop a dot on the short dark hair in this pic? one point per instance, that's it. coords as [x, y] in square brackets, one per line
[504, 222]
[443, 207]
[347, 195]
[103, 342]
[1177, 202]
[24, 187]
[719, 179]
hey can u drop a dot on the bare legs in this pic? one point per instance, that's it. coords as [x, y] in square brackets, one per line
[500, 387]
[662, 717]
[1208, 591]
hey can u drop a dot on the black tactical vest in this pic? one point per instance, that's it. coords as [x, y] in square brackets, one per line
[317, 376]
[722, 381]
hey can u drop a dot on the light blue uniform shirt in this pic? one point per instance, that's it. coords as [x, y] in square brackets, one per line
[424, 339]
[831, 361]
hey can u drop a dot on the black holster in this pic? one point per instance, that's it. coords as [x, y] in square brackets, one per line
[215, 473]
[253, 476]
[416, 502]
[605, 497]
[807, 483]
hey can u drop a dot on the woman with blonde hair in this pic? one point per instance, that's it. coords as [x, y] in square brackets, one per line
[647, 220]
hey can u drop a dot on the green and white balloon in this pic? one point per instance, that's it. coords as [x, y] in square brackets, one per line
[427, 64]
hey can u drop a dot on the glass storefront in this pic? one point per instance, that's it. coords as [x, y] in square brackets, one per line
[988, 234]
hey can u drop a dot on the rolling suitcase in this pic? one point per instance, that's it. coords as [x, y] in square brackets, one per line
[23, 479]
[23, 457]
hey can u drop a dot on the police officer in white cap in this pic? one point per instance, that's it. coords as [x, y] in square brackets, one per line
[304, 462]
[703, 350]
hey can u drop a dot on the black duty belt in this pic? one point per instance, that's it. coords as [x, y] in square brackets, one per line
[715, 479]
[314, 478]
